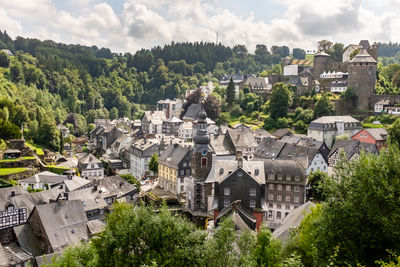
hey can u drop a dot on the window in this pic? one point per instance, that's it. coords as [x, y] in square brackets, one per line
[221, 171]
[271, 176]
[270, 214]
[278, 206]
[279, 197]
[188, 172]
[83, 203]
[279, 176]
[203, 162]
[97, 200]
[286, 214]
[226, 202]
[278, 214]
[296, 188]
[184, 164]
[271, 186]
[270, 196]
[287, 207]
[182, 180]
[252, 203]
[297, 178]
[287, 198]
[227, 191]
[288, 177]
[256, 172]
[182, 172]
[279, 187]
[288, 188]
[252, 192]
[182, 188]
[296, 199]
[270, 205]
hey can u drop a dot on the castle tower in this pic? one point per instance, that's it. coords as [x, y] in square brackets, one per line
[362, 77]
[373, 51]
[321, 63]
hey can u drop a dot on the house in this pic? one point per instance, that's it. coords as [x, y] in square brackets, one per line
[338, 86]
[334, 75]
[46, 180]
[171, 126]
[192, 113]
[90, 166]
[59, 224]
[377, 136]
[107, 137]
[185, 130]
[381, 106]
[11, 215]
[242, 140]
[140, 154]
[285, 188]
[64, 131]
[152, 121]
[238, 81]
[269, 148]
[349, 50]
[258, 85]
[351, 150]
[173, 167]
[260, 134]
[12, 153]
[326, 128]
[92, 202]
[238, 181]
[171, 108]
[114, 188]
[206, 90]
[393, 110]
[221, 145]
[281, 133]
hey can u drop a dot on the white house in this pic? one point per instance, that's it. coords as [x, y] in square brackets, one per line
[350, 49]
[140, 155]
[338, 86]
[381, 105]
[291, 70]
[90, 166]
[152, 121]
[185, 130]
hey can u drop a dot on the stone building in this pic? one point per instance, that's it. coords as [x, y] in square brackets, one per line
[362, 78]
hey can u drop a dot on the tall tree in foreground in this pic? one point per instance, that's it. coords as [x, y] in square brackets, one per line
[359, 222]
[153, 164]
[394, 134]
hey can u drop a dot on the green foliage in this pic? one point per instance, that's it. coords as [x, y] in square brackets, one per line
[323, 107]
[4, 60]
[230, 92]
[8, 171]
[299, 53]
[8, 130]
[80, 255]
[268, 250]
[153, 164]
[281, 99]
[394, 134]
[269, 123]
[131, 179]
[354, 53]
[316, 181]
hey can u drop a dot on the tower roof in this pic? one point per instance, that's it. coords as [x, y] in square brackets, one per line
[321, 54]
[363, 57]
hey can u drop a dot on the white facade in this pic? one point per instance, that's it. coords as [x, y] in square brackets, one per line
[317, 164]
[338, 87]
[139, 165]
[332, 75]
[291, 70]
[93, 170]
[350, 49]
[186, 130]
[393, 110]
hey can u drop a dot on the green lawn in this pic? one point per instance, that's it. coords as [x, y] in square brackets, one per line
[7, 171]
[39, 149]
[18, 159]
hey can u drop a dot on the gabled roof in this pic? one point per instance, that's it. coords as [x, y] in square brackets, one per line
[90, 199]
[261, 133]
[281, 133]
[64, 223]
[221, 145]
[115, 186]
[45, 177]
[3, 257]
[89, 158]
[379, 134]
[302, 154]
[383, 102]
[269, 148]
[95, 226]
[242, 138]
[288, 167]
[351, 147]
[193, 112]
[173, 155]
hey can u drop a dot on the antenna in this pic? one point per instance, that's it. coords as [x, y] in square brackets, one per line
[217, 38]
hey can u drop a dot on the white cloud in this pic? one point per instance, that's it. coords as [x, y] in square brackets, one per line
[146, 23]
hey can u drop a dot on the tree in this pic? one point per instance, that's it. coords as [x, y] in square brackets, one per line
[396, 80]
[4, 60]
[48, 134]
[315, 181]
[324, 45]
[337, 52]
[61, 143]
[230, 92]
[361, 201]
[113, 113]
[354, 53]
[153, 164]
[9, 130]
[299, 53]
[193, 98]
[323, 107]
[268, 250]
[281, 99]
[212, 107]
[394, 134]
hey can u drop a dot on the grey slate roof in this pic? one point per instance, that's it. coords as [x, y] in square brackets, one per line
[221, 145]
[363, 57]
[379, 134]
[64, 223]
[6, 198]
[193, 112]
[269, 148]
[261, 133]
[95, 226]
[173, 155]
[303, 154]
[45, 177]
[90, 199]
[115, 186]
[281, 133]
[350, 147]
[3, 257]
[89, 158]
[27, 238]
[319, 123]
[242, 138]
[288, 167]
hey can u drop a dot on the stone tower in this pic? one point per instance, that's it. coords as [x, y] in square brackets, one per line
[362, 77]
[321, 63]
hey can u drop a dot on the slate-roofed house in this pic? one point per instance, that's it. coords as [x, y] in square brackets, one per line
[115, 188]
[45, 180]
[242, 140]
[192, 113]
[326, 128]
[170, 107]
[140, 154]
[236, 181]
[221, 145]
[92, 202]
[285, 188]
[152, 121]
[258, 85]
[351, 149]
[173, 167]
[185, 130]
[171, 126]
[377, 136]
[59, 224]
[90, 166]
[281, 133]
[259, 134]
[269, 148]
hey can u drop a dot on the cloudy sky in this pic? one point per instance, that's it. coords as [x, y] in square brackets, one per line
[128, 25]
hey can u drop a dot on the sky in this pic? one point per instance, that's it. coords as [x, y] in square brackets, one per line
[129, 25]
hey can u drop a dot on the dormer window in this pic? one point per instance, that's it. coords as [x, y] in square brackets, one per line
[271, 176]
[83, 203]
[221, 171]
[279, 176]
[288, 177]
[10, 208]
[256, 172]
[297, 178]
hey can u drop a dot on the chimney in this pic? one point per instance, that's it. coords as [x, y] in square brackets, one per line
[66, 195]
[61, 200]
[175, 145]
[13, 193]
[95, 187]
[239, 158]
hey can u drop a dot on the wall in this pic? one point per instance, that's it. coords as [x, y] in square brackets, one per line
[362, 78]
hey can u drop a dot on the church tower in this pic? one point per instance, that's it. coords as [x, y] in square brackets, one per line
[202, 151]
[362, 77]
